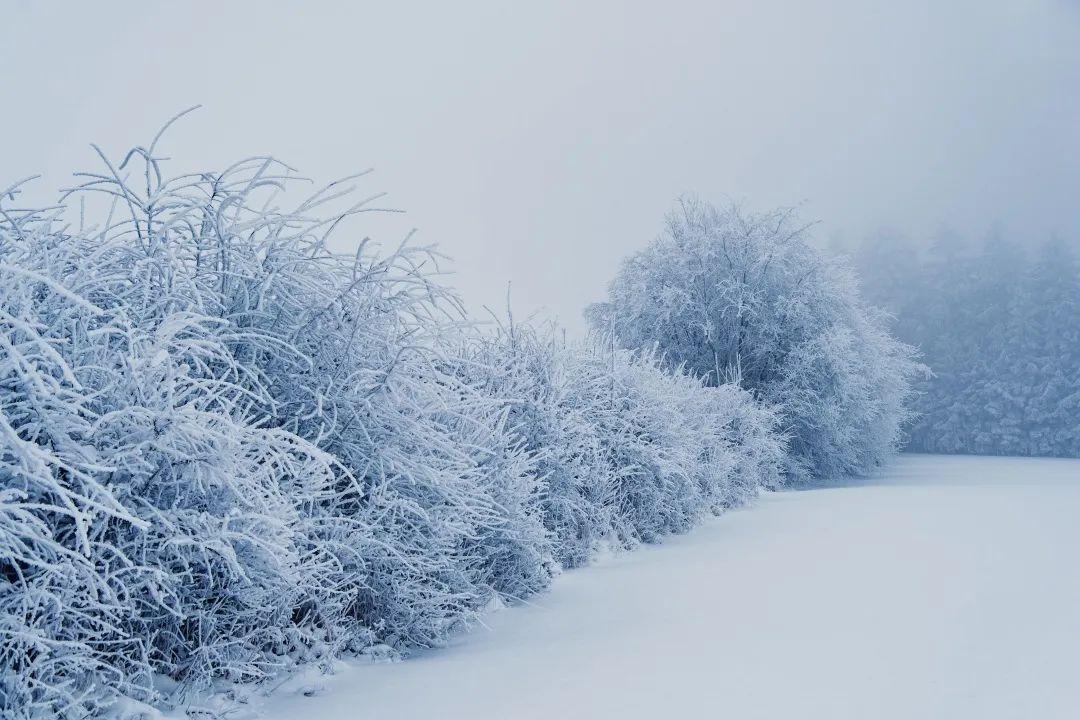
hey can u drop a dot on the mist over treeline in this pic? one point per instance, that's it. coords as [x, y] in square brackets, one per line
[997, 319]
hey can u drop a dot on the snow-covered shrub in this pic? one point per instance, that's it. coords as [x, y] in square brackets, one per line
[510, 552]
[650, 454]
[744, 298]
[173, 522]
[225, 448]
[626, 450]
[233, 433]
[63, 586]
[227, 504]
[668, 441]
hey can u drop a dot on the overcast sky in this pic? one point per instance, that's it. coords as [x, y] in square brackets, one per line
[541, 142]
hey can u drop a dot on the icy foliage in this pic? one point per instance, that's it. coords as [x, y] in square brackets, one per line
[226, 449]
[742, 297]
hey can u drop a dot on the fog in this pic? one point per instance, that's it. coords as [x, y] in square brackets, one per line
[539, 145]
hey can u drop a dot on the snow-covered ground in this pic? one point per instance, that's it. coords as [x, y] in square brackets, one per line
[947, 587]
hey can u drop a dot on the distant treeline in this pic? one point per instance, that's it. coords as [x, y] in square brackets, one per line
[999, 325]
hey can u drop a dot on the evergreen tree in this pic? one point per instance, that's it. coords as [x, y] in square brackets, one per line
[1001, 333]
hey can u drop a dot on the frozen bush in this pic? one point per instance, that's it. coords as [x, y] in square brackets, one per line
[626, 450]
[158, 526]
[510, 552]
[234, 434]
[63, 586]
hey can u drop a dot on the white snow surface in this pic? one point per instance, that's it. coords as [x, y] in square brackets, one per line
[944, 587]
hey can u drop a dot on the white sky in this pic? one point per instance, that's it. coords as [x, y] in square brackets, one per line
[542, 142]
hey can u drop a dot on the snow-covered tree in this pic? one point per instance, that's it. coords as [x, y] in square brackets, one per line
[743, 297]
